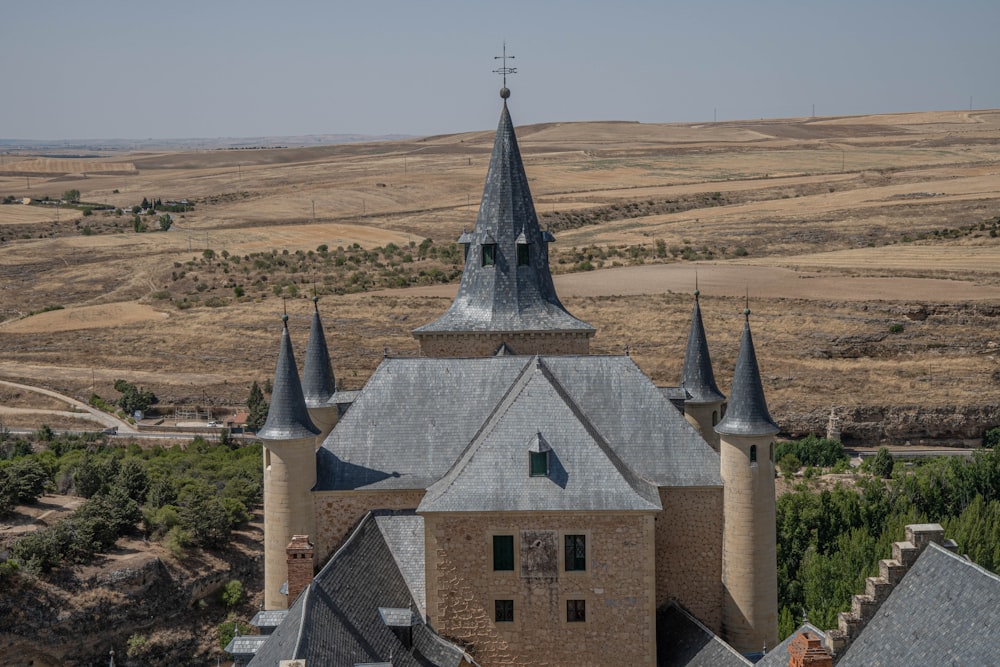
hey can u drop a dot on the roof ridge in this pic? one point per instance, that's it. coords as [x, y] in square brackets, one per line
[516, 387]
[701, 626]
[630, 476]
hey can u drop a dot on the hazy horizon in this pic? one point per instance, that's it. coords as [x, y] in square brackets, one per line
[137, 71]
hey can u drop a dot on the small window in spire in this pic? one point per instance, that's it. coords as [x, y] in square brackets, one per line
[753, 454]
[523, 254]
[489, 254]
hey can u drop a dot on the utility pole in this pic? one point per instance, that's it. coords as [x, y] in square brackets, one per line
[314, 209]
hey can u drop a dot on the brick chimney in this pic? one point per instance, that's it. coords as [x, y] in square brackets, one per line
[300, 566]
[806, 650]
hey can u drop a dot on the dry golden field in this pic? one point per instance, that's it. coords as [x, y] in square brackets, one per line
[838, 228]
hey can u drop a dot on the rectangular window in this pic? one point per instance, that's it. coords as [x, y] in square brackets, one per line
[576, 611]
[504, 611]
[576, 553]
[523, 254]
[489, 254]
[538, 464]
[503, 552]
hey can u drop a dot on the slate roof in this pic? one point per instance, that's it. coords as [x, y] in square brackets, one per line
[318, 382]
[506, 297]
[404, 535]
[416, 417]
[336, 620]
[682, 641]
[696, 375]
[268, 618]
[584, 472]
[287, 416]
[747, 412]
[778, 656]
[943, 612]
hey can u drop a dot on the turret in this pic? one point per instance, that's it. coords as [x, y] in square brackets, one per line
[289, 438]
[749, 562]
[705, 404]
[506, 295]
[318, 382]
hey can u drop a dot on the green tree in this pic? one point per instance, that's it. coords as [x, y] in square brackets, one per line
[71, 196]
[134, 398]
[232, 593]
[883, 463]
[257, 407]
[165, 222]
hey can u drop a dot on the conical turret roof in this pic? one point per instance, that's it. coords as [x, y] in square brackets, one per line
[287, 416]
[318, 382]
[697, 376]
[747, 412]
[504, 289]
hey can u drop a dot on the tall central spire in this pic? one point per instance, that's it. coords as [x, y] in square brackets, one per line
[506, 294]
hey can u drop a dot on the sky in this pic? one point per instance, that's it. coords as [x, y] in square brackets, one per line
[141, 69]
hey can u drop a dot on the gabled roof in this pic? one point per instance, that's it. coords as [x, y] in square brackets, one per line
[416, 416]
[696, 375]
[336, 621]
[584, 472]
[682, 641]
[943, 612]
[505, 297]
[318, 382]
[287, 416]
[747, 412]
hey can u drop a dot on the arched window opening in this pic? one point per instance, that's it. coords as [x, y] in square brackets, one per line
[753, 454]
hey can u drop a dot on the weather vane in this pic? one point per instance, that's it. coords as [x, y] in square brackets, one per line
[504, 71]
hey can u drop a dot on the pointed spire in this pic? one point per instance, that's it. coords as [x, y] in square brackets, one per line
[503, 289]
[697, 376]
[318, 382]
[747, 413]
[287, 416]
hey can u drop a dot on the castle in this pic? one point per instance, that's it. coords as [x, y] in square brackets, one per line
[507, 498]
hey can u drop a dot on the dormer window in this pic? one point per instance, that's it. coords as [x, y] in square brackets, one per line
[538, 456]
[538, 464]
[489, 254]
[523, 250]
[523, 254]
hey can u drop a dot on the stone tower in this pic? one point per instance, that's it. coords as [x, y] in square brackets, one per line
[318, 382]
[749, 562]
[506, 298]
[289, 438]
[706, 404]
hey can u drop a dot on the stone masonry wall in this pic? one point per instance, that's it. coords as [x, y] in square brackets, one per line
[617, 587]
[337, 512]
[486, 344]
[689, 552]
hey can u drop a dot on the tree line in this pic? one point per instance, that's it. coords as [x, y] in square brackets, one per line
[830, 540]
[186, 496]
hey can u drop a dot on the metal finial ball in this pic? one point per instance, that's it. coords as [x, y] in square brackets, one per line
[746, 311]
[284, 318]
[697, 292]
[315, 299]
[505, 92]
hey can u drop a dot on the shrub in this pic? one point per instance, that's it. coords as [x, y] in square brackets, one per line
[232, 593]
[883, 463]
[992, 437]
[812, 451]
[896, 328]
[789, 464]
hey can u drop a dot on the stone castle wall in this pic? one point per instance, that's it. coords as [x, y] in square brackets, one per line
[689, 552]
[486, 344]
[617, 587]
[338, 512]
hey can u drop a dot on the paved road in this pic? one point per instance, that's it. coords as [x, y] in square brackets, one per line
[101, 417]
